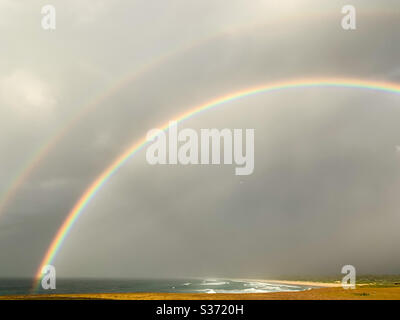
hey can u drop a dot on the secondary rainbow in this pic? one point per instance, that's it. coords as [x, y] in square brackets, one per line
[37, 157]
[102, 179]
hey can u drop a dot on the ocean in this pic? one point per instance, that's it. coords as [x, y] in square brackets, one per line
[23, 286]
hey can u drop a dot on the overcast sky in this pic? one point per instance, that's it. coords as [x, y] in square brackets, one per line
[325, 189]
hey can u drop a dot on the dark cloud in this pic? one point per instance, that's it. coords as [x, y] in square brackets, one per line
[324, 190]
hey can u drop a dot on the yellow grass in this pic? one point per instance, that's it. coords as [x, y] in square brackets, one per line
[332, 293]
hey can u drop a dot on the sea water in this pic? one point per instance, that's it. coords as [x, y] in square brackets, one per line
[23, 286]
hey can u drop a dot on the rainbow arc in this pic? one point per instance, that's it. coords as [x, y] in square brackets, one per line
[99, 182]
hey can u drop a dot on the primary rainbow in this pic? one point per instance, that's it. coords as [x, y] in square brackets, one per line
[37, 157]
[102, 179]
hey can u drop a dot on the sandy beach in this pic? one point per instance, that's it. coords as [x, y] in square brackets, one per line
[298, 283]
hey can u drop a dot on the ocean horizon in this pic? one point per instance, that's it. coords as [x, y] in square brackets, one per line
[90, 285]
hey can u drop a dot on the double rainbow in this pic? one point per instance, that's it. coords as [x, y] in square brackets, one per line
[102, 179]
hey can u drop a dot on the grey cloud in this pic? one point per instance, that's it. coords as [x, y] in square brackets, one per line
[324, 190]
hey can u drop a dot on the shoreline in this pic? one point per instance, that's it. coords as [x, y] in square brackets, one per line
[316, 291]
[297, 282]
[333, 293]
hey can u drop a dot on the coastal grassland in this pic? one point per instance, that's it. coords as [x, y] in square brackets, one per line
[361, 293]
[369, 287]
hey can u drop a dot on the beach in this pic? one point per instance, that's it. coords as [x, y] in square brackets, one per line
[299, 283]
[321, 291]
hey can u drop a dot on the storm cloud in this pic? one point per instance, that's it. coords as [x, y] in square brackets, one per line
[324, 192]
